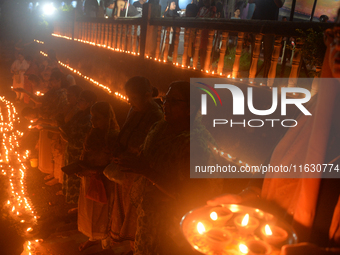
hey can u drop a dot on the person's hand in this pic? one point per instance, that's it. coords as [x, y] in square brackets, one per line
[135, 165]
[302, 249]
[38, 127]
[225, 199]
[328, 37]
[21, 90]
[249, 194]
[85, 172]
[39, 121]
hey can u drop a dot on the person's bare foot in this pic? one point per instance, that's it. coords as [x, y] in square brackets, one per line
[60, 193]
[52, 182]
[73, 211]
[48, 177]
[88, 244]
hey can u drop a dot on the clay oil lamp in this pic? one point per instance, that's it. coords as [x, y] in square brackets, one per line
[220, 215]
[218, 238]
[273, 235]
[246, 224]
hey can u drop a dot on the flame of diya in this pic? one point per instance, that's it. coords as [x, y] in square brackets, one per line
[220, 215]
[274, 235]
[246, 224]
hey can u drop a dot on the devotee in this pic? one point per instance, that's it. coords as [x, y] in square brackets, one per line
[33, 69]
[266, 10]
[95, 190]
[236, 14]
[139, 6]
[73, 92]
[312, 204]
[53, 102]
[144, 112]
[207, 11]
[36, 84]
[171, 10]
[164, 192]
[18, 69]
[74, 132]
[191, 10]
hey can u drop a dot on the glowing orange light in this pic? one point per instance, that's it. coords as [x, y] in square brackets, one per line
[200, 228]
[267, 230]
[213, 216]
[245, 220]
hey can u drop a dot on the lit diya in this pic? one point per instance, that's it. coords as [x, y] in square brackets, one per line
[246, 224]
[220, 215]
[255, 247]
[203, 227]
[218, 238]
[274, 235]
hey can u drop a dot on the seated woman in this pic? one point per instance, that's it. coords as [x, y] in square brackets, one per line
[312, 204]
[143, 114]
[165, 192]
[93, 213]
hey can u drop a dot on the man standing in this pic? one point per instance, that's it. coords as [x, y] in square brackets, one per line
[267, 10]
[139, 6]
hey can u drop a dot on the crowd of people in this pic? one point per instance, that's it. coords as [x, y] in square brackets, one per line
[133, 182]
[126, 183]
[266, 10]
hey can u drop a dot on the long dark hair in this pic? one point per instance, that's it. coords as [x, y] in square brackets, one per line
[105, 109]
[98, 139]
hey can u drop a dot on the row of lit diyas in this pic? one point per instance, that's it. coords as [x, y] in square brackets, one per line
[98, 45]
[133, 53]
[213, 73]
[12, 164]
[215, 235]
[10, 117]
[106, 88]
[43, 53]
[229, 157]
[62, 36]
[37, 41]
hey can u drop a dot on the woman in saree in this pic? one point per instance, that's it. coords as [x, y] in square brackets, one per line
[52, 103]
[75, 132]
[95, 190]
[164, 191]
[143, 114]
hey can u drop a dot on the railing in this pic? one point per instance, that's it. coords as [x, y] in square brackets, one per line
[121, 34]
[150, 38]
